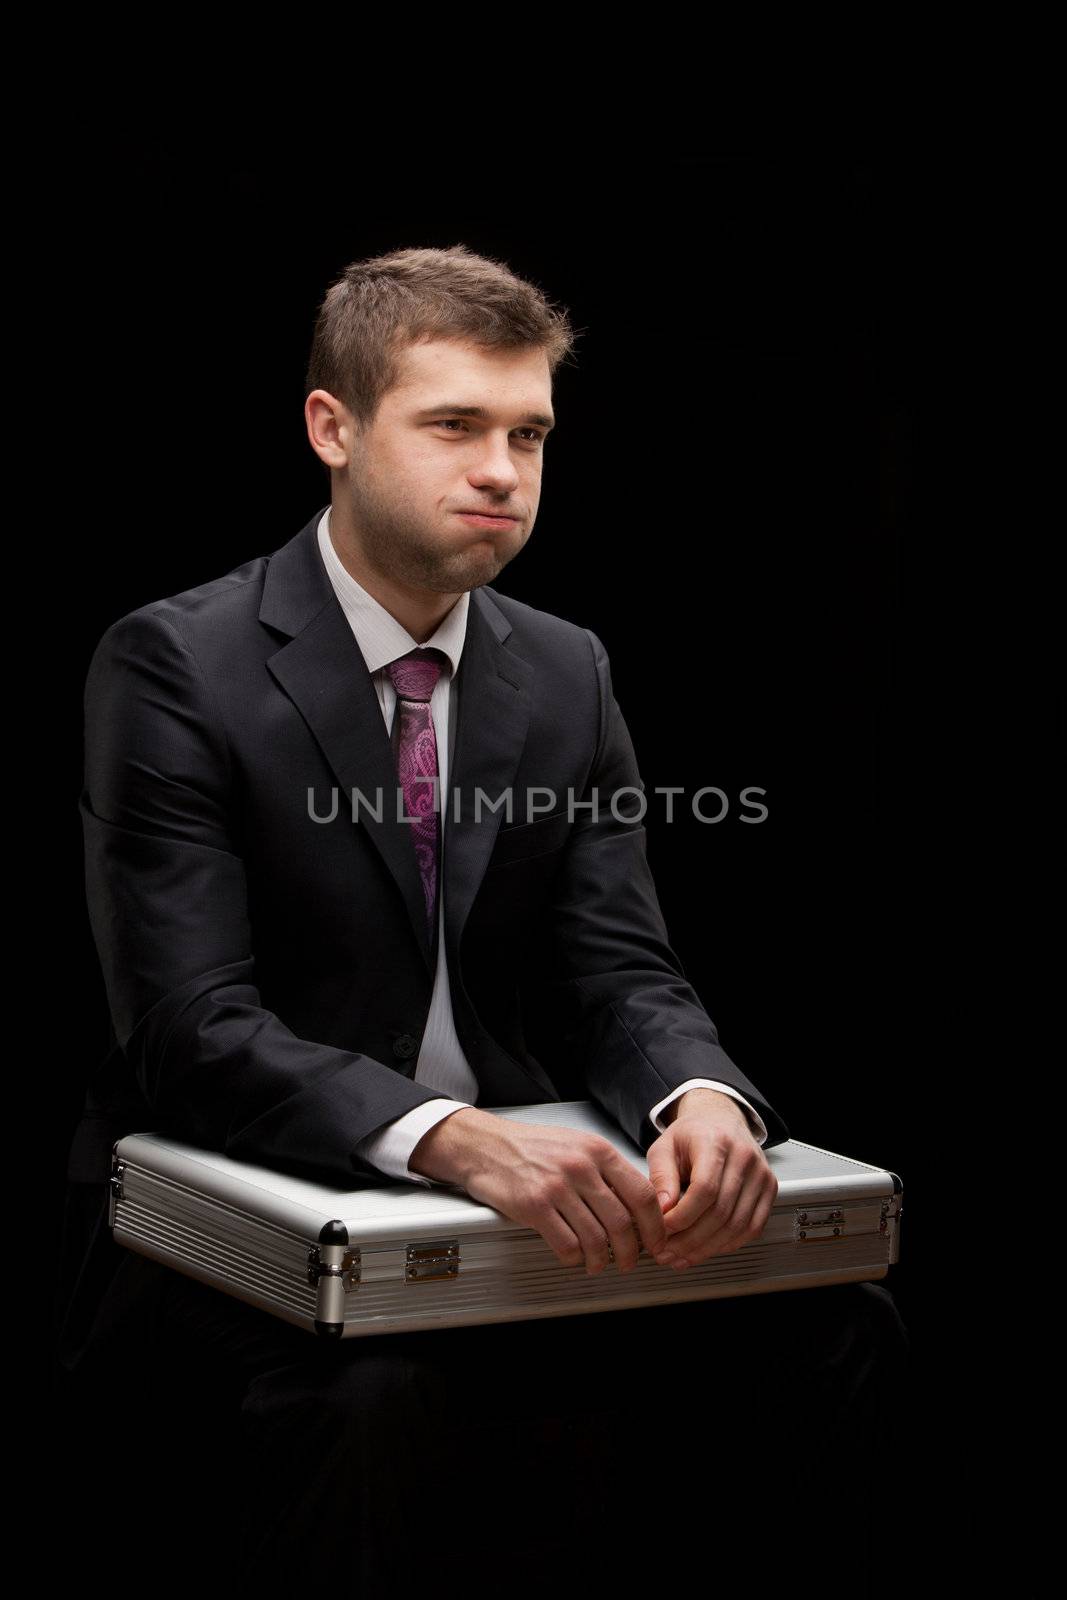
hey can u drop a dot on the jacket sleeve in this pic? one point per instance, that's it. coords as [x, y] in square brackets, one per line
[168, 906]
[632, 1019]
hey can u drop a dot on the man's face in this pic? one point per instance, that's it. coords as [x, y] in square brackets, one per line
[425, 463]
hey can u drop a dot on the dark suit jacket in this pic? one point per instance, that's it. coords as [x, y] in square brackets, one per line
[268, 975]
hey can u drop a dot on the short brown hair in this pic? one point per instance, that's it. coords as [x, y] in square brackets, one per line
[376, 307]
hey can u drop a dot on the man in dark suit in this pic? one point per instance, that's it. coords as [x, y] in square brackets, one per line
[363, 847]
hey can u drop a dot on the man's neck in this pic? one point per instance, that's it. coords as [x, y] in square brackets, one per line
[420, 611]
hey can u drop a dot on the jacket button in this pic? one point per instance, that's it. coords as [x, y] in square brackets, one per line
[405, 1047]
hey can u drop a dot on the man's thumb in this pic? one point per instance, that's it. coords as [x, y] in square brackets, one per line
[664, 1180]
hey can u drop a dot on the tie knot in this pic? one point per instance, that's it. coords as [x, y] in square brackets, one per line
[415, 675]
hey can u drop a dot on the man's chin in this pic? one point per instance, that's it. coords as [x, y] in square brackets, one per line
[474, 571]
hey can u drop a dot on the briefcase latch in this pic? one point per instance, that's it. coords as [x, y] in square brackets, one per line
[438, 1259]
[811, 1223]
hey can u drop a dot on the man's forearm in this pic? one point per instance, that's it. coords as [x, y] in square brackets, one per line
[699, 1100]
[456, 1146]
[452, 1149]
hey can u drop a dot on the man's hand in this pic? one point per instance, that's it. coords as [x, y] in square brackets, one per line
[574, 1189]
[730, 1188]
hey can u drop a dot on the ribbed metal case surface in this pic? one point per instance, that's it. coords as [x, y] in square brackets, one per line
[394, 1257]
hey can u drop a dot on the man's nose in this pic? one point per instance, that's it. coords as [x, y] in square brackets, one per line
[493, 466]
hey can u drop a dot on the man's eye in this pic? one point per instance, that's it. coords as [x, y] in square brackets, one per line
[532, 434]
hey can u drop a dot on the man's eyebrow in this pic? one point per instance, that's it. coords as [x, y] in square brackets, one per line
[447, 409]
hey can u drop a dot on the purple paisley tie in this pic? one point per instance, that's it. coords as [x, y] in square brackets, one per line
[414, 677]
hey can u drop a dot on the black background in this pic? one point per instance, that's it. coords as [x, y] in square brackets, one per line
[725, 500]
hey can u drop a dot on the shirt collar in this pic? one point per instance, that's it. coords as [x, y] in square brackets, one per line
[381, 638]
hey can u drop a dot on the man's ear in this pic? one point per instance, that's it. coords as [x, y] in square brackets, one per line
[329, 423]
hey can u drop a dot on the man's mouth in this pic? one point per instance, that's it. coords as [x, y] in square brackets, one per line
[485, 519]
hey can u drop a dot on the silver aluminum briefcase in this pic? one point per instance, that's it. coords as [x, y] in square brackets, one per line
[393, 1257]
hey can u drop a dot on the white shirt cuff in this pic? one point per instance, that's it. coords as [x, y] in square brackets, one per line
[390, 1148]
[755, 1121]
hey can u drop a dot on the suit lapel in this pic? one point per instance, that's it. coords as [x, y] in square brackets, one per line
[322, 670]
[494, 697]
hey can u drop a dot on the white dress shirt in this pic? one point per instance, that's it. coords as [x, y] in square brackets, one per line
[441, 1063]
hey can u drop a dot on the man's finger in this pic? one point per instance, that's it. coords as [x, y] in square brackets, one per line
[663, 1173]
[707, 1159]
[716, 1234]
[740, 1173]
[592, 1236]
[753, 1193]
[624, 1243]
[638, 1197]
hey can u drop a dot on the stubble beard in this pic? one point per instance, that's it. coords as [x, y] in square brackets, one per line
[398, 546]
